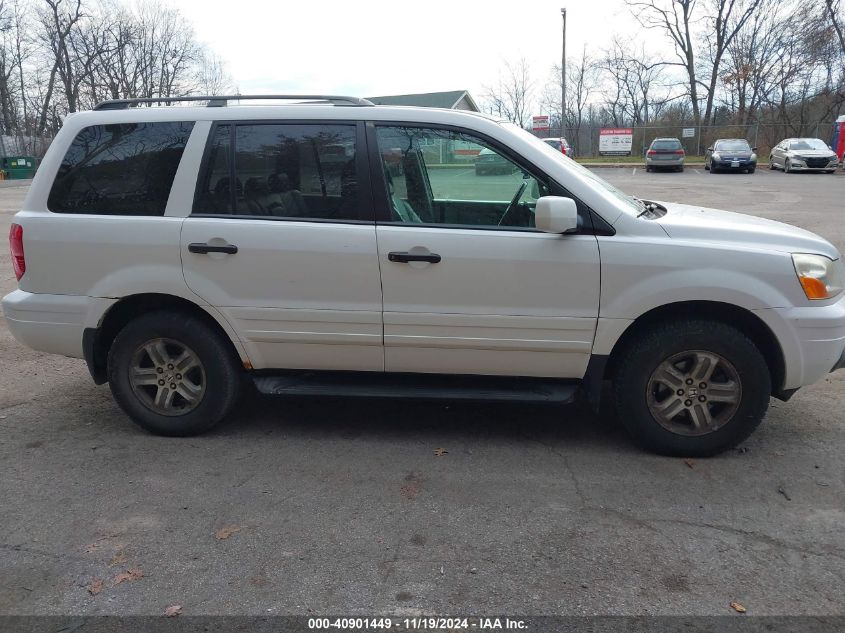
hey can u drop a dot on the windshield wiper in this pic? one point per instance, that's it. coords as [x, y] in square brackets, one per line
[648, 207]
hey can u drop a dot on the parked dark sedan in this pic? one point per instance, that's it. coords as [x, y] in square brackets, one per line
[490, 162]
[731, 154]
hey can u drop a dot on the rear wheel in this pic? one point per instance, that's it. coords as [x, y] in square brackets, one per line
[173, 374]
[692, 388]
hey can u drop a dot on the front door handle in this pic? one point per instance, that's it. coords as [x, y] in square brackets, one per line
[203, 248]
[403, 257]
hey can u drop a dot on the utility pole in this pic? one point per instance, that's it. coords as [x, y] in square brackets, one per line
[563, 76]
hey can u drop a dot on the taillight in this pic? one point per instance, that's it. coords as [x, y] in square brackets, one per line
[651, 152]
[16, 247]
[679, 151]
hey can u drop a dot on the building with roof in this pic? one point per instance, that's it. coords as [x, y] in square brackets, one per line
[452, 100]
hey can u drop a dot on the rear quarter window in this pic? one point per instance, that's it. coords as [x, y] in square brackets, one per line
[120, 169]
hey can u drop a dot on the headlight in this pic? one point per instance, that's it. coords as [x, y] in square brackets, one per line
[820, 276]
[716, 156]
[753, 157]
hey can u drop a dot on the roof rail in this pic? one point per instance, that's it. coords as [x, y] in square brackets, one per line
[222, 100]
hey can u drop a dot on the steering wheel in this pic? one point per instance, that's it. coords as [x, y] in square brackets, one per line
[514, 202]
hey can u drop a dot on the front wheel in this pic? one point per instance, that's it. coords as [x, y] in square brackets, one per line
[173, 374]
[691, 388]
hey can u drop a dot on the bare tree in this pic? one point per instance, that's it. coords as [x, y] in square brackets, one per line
[511, 96]
[835, 15]
[582, 82]
[721, 21]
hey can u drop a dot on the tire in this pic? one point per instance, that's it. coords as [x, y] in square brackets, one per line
[637, 391]
[713, 170]
[752, 170]
[648, 168]
[212, 373]
[786, 169]
[771, 164]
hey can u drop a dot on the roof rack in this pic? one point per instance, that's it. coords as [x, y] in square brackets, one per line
[222, 100]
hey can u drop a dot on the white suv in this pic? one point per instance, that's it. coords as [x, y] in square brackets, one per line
[334, 247]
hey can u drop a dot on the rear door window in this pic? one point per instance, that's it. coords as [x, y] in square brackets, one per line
[283, 171]
[120, 169]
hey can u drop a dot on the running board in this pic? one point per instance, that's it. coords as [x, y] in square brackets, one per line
[436, 386]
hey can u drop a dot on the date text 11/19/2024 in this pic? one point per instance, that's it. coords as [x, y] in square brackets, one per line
[417, 623]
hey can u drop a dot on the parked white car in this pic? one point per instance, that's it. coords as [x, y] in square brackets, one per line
[182, 249]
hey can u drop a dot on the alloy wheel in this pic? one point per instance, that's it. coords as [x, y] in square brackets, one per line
[694, 392]
[167, 377]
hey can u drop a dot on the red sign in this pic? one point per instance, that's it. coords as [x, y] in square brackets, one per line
[616, 130]
[540, 122]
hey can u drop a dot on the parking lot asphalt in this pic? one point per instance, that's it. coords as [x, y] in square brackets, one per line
[345, 506]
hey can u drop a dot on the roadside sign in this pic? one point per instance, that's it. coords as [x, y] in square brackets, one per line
[615, 141]
[540, 123]
[688, 132]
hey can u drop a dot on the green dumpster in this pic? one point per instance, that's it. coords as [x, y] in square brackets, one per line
[19, 167]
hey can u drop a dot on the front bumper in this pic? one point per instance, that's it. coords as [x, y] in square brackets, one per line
[739, 165]
[793, 166]
[841, 363]
[812, 339]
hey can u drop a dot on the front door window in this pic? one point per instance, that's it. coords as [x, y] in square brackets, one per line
[436, 176]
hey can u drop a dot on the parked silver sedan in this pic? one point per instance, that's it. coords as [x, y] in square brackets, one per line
[803, 154]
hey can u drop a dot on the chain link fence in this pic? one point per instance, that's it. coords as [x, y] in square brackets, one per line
[698, 138]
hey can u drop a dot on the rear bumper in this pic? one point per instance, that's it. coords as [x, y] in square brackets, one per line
[51, 323]
[664, 162]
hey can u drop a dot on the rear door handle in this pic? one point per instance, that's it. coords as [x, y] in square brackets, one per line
[403, 257]
[203, 248]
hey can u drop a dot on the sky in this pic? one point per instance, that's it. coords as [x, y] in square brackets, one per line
[374, 47]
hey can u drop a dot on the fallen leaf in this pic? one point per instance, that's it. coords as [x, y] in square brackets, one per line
[95, 587]
[785, 494]
[131, 574]
[738, 607]
[226, 532]
[118, 559]
[689, 463]
[173, 610]
[440, 452]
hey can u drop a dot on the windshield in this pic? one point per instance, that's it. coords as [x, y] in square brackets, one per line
[808, 143]
[733, 145]
[633, 204]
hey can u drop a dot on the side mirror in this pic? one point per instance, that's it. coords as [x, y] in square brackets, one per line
[556, 214]
[753, 149]
[709, 149]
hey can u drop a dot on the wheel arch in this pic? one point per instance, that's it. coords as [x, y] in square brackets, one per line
[96, 342]
[744, 320]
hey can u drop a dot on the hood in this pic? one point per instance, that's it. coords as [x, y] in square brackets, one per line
[688, 222]
[811, 153]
